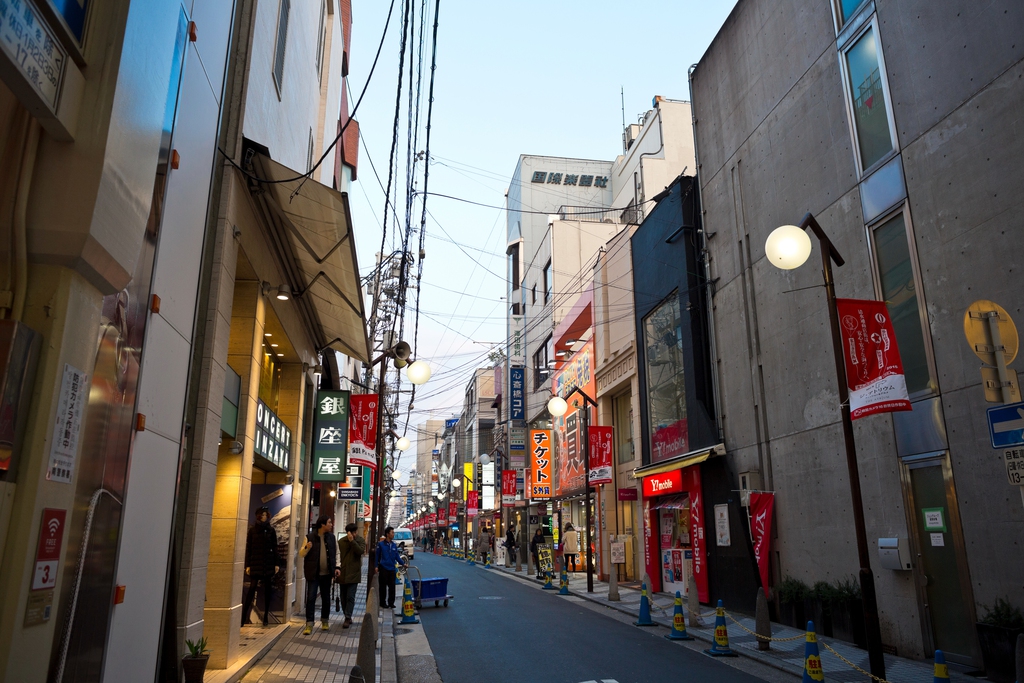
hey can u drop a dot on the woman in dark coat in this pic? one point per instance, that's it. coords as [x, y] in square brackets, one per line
[261, 563]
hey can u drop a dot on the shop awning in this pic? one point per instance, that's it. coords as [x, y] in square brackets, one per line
[680, 461]
[317, 227]
[672, 503]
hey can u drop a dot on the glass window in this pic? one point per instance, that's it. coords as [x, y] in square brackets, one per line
[547, 282]
[847, 9]
[270, 377]
[624, 427]
[513, 266]
[541, 372]
[899, 291]
[282, 41]
[666, 388]
[869, 107]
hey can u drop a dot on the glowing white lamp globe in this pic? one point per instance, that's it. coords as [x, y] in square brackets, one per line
[396, 475]
[485, 459]
[456, 483]
[557, 406]
[418, 372]
[403, 444]
[787, 247]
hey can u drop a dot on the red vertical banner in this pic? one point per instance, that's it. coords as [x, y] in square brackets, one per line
[362, 430]
[601, 439]
[508, 488]
[651, 553]
[432, 519]
[874, 371]
[453, 512]
[761, 507]
[472, 503]
[692, 483]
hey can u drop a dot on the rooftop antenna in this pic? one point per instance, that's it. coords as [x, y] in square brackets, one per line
[622, 94]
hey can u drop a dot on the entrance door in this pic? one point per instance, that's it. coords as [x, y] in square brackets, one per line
[941, 568]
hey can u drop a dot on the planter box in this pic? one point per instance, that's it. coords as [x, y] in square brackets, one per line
[848, 622]
[997, 649]
[792, 614]
[194, 668]
[814, 611]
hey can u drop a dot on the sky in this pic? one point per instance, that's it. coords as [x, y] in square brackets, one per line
[547, 78]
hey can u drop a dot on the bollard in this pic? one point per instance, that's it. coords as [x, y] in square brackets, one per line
[941, 674]
[408, 608]
[812, 660]
[356, 675]
[563, 583]
[679, 622]
[763, 625]
[366, 655]
[644, 618]
[693, 602]
[469, 558]
[547, 582]
[720, 645]
[613, 584]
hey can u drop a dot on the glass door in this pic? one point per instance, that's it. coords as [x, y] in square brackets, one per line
[941, 567]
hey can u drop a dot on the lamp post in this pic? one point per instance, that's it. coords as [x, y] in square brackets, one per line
[557, 407]
[788, 247]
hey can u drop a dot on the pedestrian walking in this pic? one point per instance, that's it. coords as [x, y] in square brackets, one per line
[571, 547]
[510, 546]
[350, 564]
[261, 564]
[538, 539]
[388, 560]
[483, 544]
[320, 565]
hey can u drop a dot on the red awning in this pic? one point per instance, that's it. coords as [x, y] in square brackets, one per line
[673, 503]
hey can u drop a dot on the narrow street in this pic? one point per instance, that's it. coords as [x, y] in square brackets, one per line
[500, 628]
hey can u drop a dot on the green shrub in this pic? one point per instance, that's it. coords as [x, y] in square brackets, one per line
[197, 649]
[1004, 615]
[792, 590]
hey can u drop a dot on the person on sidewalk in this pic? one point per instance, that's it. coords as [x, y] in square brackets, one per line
[510, 546]
[389, 557]
[571, 547]
[320, 564]
[261, 564]
[483, 544]
[537, 540]
[350, 551]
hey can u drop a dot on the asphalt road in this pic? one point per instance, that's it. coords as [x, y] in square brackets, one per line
[499, 629]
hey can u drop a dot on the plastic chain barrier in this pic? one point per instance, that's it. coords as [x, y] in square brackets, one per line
[851, 664]
[760, 637]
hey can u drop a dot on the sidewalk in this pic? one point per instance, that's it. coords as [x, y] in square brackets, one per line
[786, 656]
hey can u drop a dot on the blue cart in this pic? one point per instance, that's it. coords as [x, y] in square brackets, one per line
[436, 589]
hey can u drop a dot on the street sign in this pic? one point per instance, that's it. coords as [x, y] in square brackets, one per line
[993, 337]
[1006, 425]
[1014, 459]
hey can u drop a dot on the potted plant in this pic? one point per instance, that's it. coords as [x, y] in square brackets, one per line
[848, 612]
[791, 593]
[997, 636]
[194, 663]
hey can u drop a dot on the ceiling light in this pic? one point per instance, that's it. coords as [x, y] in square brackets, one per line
[273, 346]
[284, 292]
[267, 334]
[570, 342]
[280, 355]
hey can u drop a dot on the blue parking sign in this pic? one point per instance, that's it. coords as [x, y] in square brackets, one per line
[1006, 425]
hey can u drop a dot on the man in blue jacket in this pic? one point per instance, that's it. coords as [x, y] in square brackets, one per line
[388, 559]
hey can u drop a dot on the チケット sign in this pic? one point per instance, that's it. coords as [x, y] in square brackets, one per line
[541, 461]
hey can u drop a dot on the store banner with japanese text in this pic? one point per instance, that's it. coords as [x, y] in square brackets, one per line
[567, 437]
[508, 488]
[330, 436]
[472, 503]
[517, 393]
[600, 455]
[453, 512]
[362, 430]
[432, 519]
[693, 484]
[761, 506]
[874, 371]
[540, 463]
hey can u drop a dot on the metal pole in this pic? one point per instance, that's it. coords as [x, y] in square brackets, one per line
[590, 511]
[872, 628]
[371, 564]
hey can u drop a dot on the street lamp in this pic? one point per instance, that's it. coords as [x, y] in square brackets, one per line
[788, 247]
[558, 407]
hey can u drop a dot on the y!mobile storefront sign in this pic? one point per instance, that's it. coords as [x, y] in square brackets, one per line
[540, 454]
[362, 430]
[874, 371]
[600, 455]
[687, 481]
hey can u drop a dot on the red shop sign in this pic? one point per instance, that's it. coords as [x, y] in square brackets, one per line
[661, 484]
[627, 494]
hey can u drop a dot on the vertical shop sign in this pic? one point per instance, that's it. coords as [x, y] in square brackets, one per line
[67, 425]
[508, 488]
[51, 534]
[517, 447]
[601, 439]
[541, 456]
[761, 506]
[700, 549]
[874, 371]
[517, 393]
[722, 535]
[472, 503]
[432, 519]
[517, 344]
[330, 436]
[273, 439]
[362, 430]
[453, 512]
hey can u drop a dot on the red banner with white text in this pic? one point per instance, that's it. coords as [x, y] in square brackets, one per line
[761, 506]
[453, 512]
[508, 488]
[874, 371]
[472, 503]
[362, 430]
[600, 455]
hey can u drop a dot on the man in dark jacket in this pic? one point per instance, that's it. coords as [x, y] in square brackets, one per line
[320, 565]
[350, 551]
[261, 563]
[537, 540]
[388, 559]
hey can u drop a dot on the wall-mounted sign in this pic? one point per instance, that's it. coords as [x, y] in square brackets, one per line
[600, 455]
[661, 484]
[628, 494]
[352, 487]
[32, 50]
[67, 424]
[541, 461]
[273, 439]
[51, 534]
[569, 179]
[722, 536]
[874, 371]
[508, 488]
[450, 424]
[362, 430]
[517, 393]
[517, 341]
[330, 435]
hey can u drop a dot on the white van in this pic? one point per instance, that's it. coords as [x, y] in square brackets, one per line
[403, 539]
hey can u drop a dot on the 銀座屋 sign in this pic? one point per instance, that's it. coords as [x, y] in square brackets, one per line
[330, 436]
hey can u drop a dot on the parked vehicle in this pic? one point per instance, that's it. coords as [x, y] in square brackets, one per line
[403, 539]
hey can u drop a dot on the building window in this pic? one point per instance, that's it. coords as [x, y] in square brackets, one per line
[623, 420]
[541, 369]
[533, 296]
[282, 42]
[871, 118]
[513, 266]
[899, 290]
[547, 282]
[847, 8]
[321, 41]
[666, 388]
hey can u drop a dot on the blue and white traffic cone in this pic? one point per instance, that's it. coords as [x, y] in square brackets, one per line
[408, 607]
[645, 608]
[812, 660]
[547, 582]
[563, 583]
[941, 674]
[679, 622]
[720, 646]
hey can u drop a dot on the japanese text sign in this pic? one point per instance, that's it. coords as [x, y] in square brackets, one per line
[453, 512]
[508, 488]
[362, 430]
[874, 371]
[330, 436]
[600, 455]
[540, 461]
[472, 503]
[517, 393]
[67, 424]
[51, 533]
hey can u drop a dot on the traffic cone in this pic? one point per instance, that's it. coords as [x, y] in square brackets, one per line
[547, 582]
[812, 660]
[941, 674]
[720, 647]
[645, 608]
[487, 561]
[469, 558]
[679, 622]
[563, 583]
[408, 607]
